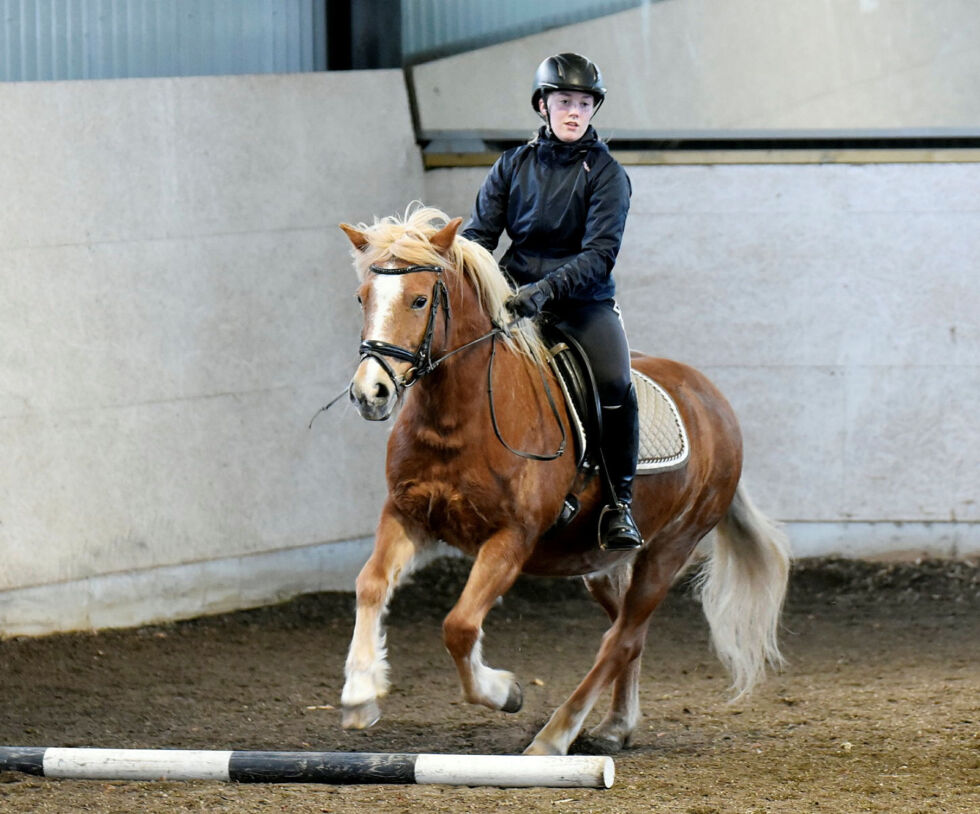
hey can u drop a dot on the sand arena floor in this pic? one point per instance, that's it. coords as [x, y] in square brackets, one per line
[878, 711]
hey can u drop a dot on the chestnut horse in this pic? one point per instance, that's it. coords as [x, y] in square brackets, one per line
[433, 304]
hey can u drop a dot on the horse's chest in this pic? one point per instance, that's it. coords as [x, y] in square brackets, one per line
[456, 514]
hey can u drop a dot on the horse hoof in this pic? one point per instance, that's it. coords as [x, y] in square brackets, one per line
[515, 699]
[361, 716]
[595, 745]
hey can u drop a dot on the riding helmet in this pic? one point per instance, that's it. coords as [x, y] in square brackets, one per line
[568, 72]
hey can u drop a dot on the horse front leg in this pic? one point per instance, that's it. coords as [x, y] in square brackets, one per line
[497, 566]
[366, 670]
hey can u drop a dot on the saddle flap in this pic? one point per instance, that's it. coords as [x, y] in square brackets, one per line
[577, 390]
[664, 443]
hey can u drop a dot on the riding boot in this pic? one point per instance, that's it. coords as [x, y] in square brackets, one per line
[620, 447]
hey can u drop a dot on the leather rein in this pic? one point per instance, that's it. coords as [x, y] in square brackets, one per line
[423, 364]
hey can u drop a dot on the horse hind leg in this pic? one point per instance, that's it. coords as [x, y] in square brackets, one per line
[613, 733]
[622, 644]
[366, 669]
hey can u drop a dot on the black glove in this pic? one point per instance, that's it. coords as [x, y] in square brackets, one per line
[530, 299]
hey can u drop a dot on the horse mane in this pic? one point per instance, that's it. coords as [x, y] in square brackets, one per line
[407, 239]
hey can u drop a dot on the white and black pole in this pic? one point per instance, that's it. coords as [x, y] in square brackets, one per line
[333, 768]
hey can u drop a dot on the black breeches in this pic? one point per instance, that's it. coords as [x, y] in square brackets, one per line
[598, 328]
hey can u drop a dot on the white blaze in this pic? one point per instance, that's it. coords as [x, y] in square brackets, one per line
[386, 296]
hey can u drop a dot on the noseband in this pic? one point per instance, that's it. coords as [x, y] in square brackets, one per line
[421, 357]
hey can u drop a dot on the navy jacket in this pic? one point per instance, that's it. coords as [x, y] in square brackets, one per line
[564, 207]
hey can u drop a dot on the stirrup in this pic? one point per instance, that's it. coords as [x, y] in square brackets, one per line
[622, 535]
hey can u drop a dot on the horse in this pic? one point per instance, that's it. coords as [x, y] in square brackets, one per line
[474, 460]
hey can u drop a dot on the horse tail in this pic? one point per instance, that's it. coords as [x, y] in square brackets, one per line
[742, 586]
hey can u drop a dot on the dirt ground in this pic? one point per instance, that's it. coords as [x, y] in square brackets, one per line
[878, 711]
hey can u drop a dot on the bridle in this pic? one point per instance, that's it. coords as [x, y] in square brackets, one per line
[421, 358]
[422, 363]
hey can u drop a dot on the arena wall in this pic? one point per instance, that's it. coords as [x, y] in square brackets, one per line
[175, 303]
[831, 294]
[836, 306]
[695, 66]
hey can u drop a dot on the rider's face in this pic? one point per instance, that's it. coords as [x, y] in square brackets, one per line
[570, 112]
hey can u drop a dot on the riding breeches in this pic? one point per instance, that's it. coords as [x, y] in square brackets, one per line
[598, 328]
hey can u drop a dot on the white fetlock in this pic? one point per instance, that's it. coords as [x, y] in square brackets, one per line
[543, 749]
[361, 686]
[496, 689]
[359, 699]
[556, 736]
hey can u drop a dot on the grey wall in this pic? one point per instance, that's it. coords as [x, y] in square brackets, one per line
[692, 65]
[838, 308]
[175, 303]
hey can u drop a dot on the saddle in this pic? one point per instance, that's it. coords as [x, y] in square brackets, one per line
[664, 442]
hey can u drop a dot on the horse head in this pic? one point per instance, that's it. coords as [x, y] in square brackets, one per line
[405, 305]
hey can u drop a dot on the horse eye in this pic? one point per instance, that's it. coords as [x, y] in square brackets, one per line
[420, 302]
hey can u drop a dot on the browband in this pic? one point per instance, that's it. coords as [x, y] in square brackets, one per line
[405, 269]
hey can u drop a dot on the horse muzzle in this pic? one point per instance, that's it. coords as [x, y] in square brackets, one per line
[374, 391]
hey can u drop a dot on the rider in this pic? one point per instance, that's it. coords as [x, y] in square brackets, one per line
[563, 200]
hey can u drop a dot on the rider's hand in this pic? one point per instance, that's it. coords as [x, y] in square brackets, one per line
[530, 299]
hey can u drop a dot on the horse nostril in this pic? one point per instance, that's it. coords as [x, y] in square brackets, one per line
[381, 390]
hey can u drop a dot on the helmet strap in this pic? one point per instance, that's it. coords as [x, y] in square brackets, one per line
[546, 116]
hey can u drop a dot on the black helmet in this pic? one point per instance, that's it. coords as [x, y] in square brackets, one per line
[568, 72]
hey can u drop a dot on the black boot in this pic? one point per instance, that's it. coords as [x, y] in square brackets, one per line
[620, 446]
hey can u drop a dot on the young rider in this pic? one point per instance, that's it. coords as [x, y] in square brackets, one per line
[563, 199]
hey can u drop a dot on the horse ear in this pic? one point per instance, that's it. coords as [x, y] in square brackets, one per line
[443, 239]
[356, 236]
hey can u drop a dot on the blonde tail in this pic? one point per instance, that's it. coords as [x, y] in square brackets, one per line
[742, 586]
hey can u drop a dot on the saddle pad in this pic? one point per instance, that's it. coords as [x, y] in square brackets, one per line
[663, 438]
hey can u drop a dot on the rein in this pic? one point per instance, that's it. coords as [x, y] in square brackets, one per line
[423, 364]
[531, 456]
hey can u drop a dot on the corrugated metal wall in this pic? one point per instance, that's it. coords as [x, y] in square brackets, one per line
[102, 39]
[99, 39]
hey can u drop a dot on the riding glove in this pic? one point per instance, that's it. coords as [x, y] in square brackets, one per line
[530, 299]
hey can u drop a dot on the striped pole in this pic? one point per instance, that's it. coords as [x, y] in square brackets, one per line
[334, 768]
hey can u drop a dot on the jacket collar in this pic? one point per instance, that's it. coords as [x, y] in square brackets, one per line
[565, 152]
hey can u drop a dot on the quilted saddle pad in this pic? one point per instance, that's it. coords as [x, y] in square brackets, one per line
[663, 438]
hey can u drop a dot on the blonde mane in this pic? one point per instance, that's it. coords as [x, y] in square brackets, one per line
[407, 239]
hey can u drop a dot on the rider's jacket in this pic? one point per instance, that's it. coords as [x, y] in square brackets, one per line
[564, 207]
